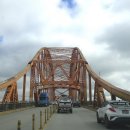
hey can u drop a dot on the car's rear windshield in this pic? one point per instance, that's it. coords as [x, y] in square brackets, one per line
[119, 103]
[43, 98]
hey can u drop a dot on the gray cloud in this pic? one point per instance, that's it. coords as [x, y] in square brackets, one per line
[121, 5]
[15, 56]
[112, 68]
[1, 38]
[117, 6]
[24, 31]
[21, 30]
[117, 37]
[109, 64]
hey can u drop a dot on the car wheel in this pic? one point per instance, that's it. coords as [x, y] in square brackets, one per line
[98, 119]
[107, 122]
[71, 111]
[58, 111]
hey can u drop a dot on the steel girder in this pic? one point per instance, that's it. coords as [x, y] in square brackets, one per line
[53, 68]
[101, 85]
[11, 94]
[59, 68]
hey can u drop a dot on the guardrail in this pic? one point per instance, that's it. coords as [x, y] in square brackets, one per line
[13, 106]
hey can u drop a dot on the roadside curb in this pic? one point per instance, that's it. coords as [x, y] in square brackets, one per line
[16, 110]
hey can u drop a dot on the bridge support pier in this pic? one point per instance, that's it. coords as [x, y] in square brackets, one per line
[24, 87]
[90, 89]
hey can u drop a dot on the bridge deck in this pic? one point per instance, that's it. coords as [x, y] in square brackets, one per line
[9, 121]
[80, 119]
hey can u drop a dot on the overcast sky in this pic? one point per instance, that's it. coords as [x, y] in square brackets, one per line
[100, 28]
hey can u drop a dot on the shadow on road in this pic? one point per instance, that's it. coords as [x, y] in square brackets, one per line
[120, 127]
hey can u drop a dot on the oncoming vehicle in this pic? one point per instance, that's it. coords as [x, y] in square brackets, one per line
[64, 104]
[76, 104]
[114, 112]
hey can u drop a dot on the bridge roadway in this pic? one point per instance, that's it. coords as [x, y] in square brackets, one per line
[80, 119]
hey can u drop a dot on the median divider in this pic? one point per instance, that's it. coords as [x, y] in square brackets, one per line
[33, 122]
[41, 125]
[50, 112]
[45, 115]
[19, 125]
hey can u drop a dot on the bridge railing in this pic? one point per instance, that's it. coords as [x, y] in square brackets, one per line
[13, 106]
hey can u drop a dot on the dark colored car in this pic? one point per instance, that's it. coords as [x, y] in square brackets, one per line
[76, 104]
[65, 105]
[43, 99]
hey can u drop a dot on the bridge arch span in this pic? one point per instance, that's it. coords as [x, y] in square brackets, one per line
[66, 68]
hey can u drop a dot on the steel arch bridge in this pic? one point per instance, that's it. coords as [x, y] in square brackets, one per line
[64, 68]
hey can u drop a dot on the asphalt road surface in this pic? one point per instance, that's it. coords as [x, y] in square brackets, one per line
[9, 121]
[80, 119]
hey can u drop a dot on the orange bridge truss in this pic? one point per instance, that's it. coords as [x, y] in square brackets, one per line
[61, 68]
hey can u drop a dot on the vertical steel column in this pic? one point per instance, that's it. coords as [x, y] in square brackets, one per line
[24, 87]
[75, 95]
[85, 83]
[53, 94]
[79, 98]
[90, 89]
[99, 94]
[96, 95]
[14, 97]
[32, 82]
[70, 93]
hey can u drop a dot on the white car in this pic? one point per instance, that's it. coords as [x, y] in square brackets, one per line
[114, 111]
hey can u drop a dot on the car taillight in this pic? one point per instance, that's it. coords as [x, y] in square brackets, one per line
[112, 109]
